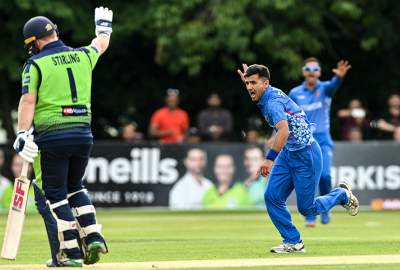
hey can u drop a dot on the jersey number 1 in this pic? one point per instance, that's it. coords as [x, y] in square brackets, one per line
[72, 85]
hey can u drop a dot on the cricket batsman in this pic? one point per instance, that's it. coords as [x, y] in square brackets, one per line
[294, 161]
[315, 98]
[55, 104]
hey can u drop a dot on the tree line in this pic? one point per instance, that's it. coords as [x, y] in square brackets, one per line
[196, 46]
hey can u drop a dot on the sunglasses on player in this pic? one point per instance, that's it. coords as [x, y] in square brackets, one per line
[311, 68]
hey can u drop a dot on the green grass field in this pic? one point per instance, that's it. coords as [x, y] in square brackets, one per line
[140, 236]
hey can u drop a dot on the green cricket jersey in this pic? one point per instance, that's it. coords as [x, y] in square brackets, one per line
[256, 191]
[235, 197]
[61, 77]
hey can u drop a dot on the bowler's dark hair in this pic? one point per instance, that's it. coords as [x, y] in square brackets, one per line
[311, 59]
[261, 70]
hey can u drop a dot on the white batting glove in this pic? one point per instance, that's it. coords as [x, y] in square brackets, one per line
[25, 146]
[103, 19]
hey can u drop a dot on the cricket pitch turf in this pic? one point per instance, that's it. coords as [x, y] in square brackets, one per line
[148, 239]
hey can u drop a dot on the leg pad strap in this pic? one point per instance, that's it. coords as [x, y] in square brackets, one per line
[85, 231]
[83, 210]
[69, 244]
[84, 190]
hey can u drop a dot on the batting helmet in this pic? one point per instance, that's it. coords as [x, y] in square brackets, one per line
[36, 28]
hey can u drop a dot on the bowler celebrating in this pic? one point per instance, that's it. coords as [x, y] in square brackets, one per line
[293, 162]
[55, 102]
[315, 97]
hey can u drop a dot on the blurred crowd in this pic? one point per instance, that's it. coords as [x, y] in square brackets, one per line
[171, 124]
[357, 124]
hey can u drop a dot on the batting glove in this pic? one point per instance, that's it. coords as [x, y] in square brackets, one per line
[25, 146]
[103, 19]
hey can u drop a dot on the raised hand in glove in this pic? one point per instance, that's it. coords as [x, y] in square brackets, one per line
[103, 19]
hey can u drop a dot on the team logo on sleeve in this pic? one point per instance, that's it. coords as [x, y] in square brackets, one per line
[27, 79]
[74, 110]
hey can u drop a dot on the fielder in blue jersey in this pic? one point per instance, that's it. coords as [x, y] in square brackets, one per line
[294, 161]
[314, 97]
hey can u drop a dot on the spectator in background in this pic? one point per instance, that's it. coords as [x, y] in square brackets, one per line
[255, 183]
[396, 134]
[215, 123]
[193, 136]
[355, 135]
[4, 182]
[227, 193]
[354, 118]
[16, 166]
[3, 133]
[1, 160]
[188, 191]
[252, 136]
[129, 133]
[169, 124]
[390, 119]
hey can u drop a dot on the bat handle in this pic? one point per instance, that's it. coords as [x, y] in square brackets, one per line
[25, 164]
[25, 168]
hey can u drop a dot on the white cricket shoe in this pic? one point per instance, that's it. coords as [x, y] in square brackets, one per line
[352, 206]
[289, 248]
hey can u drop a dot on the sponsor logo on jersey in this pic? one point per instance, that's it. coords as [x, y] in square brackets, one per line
[74, 110]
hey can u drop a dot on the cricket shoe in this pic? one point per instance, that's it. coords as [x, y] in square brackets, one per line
[352, 206]
[93, 252]
[325, 218]
[310, 224]
[289, 248]
[65, 263]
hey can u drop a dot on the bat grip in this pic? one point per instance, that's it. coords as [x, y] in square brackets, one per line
[25, 167]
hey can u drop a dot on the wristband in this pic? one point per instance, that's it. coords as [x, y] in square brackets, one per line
[272, 154]
[104, 23]
[104, 33]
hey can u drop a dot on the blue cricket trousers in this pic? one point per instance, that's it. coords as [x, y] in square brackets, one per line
[325, 142]
[325, 182]
[299, 170]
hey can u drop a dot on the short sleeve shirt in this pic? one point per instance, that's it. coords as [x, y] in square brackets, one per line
[176, 120]
[275, 106]
[316, 103]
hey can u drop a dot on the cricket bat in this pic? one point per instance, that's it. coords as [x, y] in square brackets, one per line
[16, 215]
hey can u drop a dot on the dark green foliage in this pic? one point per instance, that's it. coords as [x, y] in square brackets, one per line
[196, 45]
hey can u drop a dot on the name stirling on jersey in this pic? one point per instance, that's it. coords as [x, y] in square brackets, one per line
[67, 59]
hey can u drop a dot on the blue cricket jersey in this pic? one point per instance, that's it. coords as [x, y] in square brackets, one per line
[316, 104]
[275, 106]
